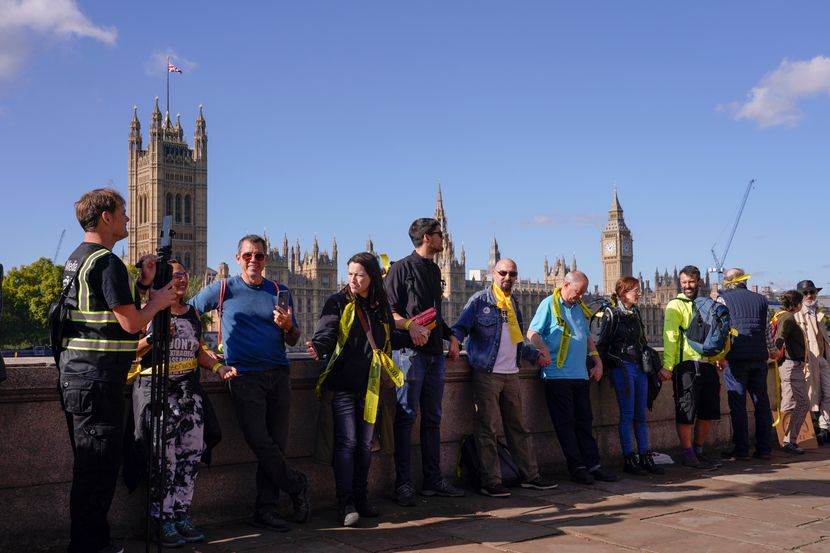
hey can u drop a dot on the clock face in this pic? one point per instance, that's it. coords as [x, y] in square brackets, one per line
[610, 246]
[626, 247]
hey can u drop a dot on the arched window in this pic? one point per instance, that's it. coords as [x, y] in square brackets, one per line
[187, 209]
[178, 208]
[168, 204]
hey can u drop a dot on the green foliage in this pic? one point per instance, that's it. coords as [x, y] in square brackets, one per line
[27, 293]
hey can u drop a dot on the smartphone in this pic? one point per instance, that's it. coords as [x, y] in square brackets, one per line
[282, 300]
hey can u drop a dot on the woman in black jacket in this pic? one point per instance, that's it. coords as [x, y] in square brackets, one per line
[621, 343]
[353, 373]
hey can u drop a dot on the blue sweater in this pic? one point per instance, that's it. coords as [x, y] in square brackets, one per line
[253, 342]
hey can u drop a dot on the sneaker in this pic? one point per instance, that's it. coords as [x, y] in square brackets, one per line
[347, 514]
[539, 483]
[495, 490]
[631, 465]
[189, 532]
[405, 495]
[762, 455]
[696, 463]
[823, 436]
[792, 449]
[582, 476]
[735, 455]
[647, 462]
[300, 501]
[602, 476]
[442, 488]
[113, 547]
[269, 520]
[167, 535]
[364, 508]
[706, 460]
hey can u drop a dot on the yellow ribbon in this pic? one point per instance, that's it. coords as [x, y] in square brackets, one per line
[566, 331]
[503, 302]
[774, 321]
[173, 368]
[380, 361]
[737, 279]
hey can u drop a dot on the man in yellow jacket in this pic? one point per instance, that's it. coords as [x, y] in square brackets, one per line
[695, 381]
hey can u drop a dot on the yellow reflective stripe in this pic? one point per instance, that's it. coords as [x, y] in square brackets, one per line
[83, 273]
[346, 320]
[92, 344]
[92, 316]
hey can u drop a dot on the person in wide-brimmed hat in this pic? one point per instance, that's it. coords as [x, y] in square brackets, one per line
[818, 358]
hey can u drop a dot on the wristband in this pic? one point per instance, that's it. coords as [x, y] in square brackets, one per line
[149, 339]
[407, 324]
[215, 368]
[594, 353]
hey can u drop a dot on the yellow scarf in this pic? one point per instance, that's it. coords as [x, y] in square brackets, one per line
[566, 331]
[381, 360]
[503, 302]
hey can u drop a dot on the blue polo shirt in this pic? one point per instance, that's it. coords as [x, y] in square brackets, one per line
[544, 322]
[252, 341]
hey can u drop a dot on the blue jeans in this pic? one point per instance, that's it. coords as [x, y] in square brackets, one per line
[352, 445]
[740, 378]
[631, 385]
[424, 388]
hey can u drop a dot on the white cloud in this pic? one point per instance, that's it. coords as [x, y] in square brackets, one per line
[578, 220]
[157, 62]
[20, 20]
[773, 101]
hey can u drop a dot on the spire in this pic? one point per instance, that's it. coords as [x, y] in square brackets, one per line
[168, 124]
[200, 137]
[440, 216]
[334, 249]
[179, 131]
[546, 267]
[494, 255]
[200, 123]
[615, 202]
[315, 248]
[156, 118]
[285, 245]
[135, 131]
[463, 255]
[370, 246]
[573, 263]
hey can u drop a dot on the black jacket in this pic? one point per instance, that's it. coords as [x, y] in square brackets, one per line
[748, 312]
[413, 285]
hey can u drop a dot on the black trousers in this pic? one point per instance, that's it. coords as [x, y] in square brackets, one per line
[569, 405]
[262, 401]
[94, 416]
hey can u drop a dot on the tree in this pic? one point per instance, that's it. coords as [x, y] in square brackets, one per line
[27, 293]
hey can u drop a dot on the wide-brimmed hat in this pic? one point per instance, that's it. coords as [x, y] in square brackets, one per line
[807, 286]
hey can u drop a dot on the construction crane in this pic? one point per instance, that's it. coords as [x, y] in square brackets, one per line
[58, 249]
[719, 261]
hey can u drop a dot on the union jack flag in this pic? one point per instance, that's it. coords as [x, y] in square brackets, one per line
[173, 69]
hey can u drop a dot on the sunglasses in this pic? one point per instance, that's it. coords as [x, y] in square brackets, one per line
[179, 274]
[512, 274]
[810, 293]
[259, 256]
[439, 233]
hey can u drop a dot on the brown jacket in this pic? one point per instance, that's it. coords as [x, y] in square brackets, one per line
[815, 329]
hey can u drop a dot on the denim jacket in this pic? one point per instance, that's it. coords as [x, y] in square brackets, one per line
[481, 320]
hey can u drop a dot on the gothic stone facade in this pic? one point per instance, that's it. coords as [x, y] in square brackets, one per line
[168, 178]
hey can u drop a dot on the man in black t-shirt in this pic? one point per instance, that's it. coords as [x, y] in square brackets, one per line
[100, 336]
[414, 286]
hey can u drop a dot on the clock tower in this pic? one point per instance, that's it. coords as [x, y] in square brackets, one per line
[617, 247]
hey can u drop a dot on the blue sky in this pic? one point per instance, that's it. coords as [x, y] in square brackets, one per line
[340, 119]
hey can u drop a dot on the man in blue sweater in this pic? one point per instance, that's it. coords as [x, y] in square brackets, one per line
[255, 330]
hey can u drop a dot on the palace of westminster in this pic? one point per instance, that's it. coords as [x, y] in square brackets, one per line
[170, 178]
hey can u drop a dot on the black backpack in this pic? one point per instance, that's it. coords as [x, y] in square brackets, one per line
[469, 463]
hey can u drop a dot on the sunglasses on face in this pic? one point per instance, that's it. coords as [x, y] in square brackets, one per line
[179, 274]
[259, 256]
[512, 274]
[810, 293]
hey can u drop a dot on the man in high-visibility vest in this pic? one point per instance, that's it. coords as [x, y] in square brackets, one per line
[100, 336]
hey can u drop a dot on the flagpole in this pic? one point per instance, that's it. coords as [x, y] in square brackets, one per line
[167, 70]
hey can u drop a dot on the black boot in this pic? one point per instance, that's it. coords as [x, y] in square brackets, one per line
[364, 508]
[647, 463]
[631, 466]
[346, 513]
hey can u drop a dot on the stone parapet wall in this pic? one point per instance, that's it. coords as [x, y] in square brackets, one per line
[36, 457]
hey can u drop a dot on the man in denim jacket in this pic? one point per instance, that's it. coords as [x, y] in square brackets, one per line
[493, 322]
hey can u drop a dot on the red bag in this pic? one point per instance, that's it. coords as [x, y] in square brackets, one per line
[426, 318]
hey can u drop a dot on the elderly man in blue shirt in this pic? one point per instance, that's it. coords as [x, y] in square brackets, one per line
[559, 330]
[492, 323]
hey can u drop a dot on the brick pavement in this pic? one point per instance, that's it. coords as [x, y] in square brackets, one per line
[746, 506]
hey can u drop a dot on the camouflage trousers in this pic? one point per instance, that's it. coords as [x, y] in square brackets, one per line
[183, 451]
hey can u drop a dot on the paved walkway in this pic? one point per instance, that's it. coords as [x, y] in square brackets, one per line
[752, 507]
